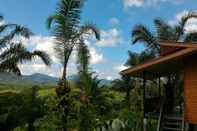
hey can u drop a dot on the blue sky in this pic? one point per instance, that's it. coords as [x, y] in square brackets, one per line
[115, 19]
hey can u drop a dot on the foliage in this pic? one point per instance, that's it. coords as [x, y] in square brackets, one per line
[23, 106]
[164, 32]
[14, 53]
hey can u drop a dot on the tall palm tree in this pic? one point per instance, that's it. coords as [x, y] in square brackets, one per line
[65, 27]
[14, 53]
[164, 32]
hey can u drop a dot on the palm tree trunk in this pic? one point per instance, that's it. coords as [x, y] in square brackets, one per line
[63, 89]
[64, 74]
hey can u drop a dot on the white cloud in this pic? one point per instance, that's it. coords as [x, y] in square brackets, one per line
[109, 78]
[95, 57]
[191, 24]
[131, 3]
[110, 37]
[141, 3]
[33, 67]
[2, 22]
[120, 68]
[45, 43]
[114, 21]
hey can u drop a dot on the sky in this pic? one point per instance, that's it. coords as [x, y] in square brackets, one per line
[114, 18]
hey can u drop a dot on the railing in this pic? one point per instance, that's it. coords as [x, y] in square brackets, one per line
[159, 125]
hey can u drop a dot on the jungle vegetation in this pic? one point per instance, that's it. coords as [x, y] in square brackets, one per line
[84, 105]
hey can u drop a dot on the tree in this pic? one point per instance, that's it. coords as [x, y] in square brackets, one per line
[9, 31]
[135, 58]
[14, 53]
[164, 32]
[17, 53]
[65, 27]
[126, 84]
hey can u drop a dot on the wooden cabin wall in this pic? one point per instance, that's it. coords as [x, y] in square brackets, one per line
[190, 90]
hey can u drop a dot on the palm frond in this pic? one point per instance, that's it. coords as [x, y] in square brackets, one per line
[135, 58]
[184, 20]
[142, 34]
[191, 37]
[23, 31]
[16, 30]
[10, 66]
[164, 30]
[44, 56]
[186, 17]
[132, 60]
[16, 54]
[83, 57]
[67, 17]
[89, 27]
[63, 25]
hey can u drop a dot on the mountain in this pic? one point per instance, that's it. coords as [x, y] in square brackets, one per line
[34, 79]
[40, 78]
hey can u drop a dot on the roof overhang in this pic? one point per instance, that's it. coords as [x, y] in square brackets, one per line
[162, 66]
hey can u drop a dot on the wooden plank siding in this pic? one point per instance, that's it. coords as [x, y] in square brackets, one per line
[190, 90]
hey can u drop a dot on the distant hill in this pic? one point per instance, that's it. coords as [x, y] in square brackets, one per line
[37, 79]
[40, 78]
[34, 79]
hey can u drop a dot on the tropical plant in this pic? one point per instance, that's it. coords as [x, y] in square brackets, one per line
[135, 58]
[14, 53]
[164, 32]
[9, 31]
[65, 26]
[20, 109]
[17, 54]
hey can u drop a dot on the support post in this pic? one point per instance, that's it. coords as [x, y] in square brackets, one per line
[159, 87]
[144, 97]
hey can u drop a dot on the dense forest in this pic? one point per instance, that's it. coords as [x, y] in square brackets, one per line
[88, 103]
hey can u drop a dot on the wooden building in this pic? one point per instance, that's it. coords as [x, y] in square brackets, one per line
[174, 57]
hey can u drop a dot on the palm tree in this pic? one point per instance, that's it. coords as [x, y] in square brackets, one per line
[164, 32]
[18, 54]
[14, 53]
[9, 31]
[135, 58]
[65, 26]
[126, 84]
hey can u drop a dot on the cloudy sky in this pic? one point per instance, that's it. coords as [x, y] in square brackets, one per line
[115, 19]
